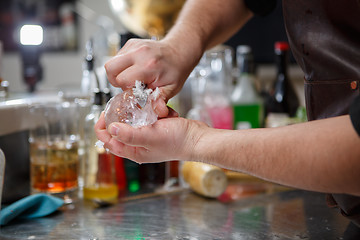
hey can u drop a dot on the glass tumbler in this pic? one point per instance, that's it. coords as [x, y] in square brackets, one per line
[54, 149]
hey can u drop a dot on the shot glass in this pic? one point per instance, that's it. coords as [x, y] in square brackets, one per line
[54, 149]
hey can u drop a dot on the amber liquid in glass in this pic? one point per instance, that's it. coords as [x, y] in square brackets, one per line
[54, 168]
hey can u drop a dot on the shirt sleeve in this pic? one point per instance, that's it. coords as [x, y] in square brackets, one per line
[261, 7]
[355, 114]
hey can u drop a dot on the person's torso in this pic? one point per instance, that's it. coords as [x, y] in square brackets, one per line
[324, 36]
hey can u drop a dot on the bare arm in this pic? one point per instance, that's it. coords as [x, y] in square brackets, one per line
[321, 155]
[208, 23]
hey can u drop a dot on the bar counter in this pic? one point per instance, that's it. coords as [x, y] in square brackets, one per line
[290, 214]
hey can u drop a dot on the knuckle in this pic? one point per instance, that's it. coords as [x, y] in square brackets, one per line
[152, 63]
[119, 78]
[128, 137]
[107, 67]
[143, 49]
[131, 41]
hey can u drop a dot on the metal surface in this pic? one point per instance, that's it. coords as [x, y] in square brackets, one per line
[184, 215]
[14, 111]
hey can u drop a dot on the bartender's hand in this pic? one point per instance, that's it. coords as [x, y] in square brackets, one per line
[156, 63]
[167, 63]
[170, 138]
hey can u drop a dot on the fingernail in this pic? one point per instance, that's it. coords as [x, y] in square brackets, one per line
[114, 130]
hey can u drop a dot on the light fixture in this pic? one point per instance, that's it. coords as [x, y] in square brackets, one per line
[31, 35]
[31, 38]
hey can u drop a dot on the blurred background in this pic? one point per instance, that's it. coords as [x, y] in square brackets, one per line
[69, 24]
[61, 61]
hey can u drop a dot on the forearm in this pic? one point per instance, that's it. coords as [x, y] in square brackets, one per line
[320, 155]
[206, 23]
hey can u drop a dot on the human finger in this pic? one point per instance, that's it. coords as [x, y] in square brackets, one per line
[172, 113]
[116, 147]
[100, 130]
[127, 78]
[160, 107]
[116, 65]
[100, 124]
[129, 135]
[136, 154]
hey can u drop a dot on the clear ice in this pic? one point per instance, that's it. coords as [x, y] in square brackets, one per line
[132, 106]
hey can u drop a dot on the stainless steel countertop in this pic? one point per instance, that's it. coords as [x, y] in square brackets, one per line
[185, 215]
[14, 111]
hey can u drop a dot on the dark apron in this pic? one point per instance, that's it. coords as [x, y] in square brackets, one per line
[324, 36]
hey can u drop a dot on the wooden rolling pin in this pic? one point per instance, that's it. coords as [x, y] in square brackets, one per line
[204, 179]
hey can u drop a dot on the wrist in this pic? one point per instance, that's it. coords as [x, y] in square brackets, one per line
[186, 42]
[202, 142]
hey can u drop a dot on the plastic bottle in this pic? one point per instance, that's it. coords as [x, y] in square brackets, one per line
[246, 102]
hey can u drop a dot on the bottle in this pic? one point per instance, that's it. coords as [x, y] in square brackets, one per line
[198, 85]
[204, 179]
[4, 85]
[172, 167]
[104, 173]
[89, 79]
[282, 101]
[246, 102]
[152, 175]
[217, 97]
[132, 176]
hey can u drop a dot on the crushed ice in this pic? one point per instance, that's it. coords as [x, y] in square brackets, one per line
[133, 106]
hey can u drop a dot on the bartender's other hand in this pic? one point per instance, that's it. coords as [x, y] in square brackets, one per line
[171, 138]
[156, 63]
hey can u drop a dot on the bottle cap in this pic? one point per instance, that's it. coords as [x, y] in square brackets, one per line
[282, 46]
[245, 59]
[243, 49]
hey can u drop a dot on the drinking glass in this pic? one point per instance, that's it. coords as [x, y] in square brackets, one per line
[215, 67]
[54, 149]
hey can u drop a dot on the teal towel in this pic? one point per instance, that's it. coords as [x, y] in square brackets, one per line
[33, 206]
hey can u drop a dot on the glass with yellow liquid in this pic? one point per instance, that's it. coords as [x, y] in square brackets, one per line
[103, 174]
[100, 178]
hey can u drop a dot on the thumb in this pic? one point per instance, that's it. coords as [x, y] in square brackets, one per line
[160, 107]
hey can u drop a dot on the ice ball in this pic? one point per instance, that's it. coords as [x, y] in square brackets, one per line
[132, 106]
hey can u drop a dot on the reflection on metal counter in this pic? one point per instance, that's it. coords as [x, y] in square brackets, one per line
[184, 215]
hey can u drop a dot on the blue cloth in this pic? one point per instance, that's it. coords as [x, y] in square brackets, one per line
[33, 206]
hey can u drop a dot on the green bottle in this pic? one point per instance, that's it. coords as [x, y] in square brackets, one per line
[246, 101]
